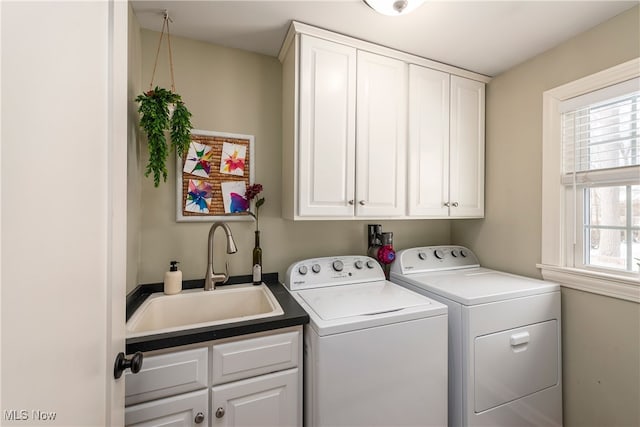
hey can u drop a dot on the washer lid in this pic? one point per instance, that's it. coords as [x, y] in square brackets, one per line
[478, 285]
[361, 299]
[364, 305]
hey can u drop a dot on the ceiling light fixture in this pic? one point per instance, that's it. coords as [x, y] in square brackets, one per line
[394, 7]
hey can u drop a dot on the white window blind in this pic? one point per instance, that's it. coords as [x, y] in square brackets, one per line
[600, 130]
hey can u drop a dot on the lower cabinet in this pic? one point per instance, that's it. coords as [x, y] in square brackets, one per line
[252, 380]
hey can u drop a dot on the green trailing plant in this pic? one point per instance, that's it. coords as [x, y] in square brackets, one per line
[156, 120]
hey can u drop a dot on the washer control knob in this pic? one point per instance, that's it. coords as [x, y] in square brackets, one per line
[438, 253]
[338, 265]
[303, 270]
[455, 253]
[422, 255]
[315, 268]
[464, 253]
[371, 264]
[359, 264]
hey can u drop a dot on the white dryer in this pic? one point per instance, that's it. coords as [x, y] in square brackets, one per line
[504, 337]
[375, 353]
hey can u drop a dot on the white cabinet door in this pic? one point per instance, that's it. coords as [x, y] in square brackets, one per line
[428, 156]
[326, 156]
[189, 409]
[382, 136]
[466, 189]
[268, 400]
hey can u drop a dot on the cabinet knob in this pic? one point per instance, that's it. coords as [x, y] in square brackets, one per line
[220, 412]
[350, 202]
[122, 363]
[199, 418]
[446, 204]
[362, 202]
[454, 204]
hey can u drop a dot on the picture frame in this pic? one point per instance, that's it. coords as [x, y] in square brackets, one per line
[212, 177]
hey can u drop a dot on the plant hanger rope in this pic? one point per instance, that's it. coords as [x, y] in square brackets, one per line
[165, 24]
[163, 111]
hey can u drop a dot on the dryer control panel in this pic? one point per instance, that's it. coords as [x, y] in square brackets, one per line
[332, 271]
[433, 258]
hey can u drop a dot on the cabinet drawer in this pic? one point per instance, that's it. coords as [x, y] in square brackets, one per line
[184, 410]
[167, 375]
[256, 356]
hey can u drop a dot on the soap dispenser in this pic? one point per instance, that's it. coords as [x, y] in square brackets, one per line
[173, 279]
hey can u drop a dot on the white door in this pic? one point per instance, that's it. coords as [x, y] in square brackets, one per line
[381, 135]
[265, 401]
[63, 200]
[428, 158]
[326, 146]
[466, 191]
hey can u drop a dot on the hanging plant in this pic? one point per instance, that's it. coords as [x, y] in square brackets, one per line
[156, 120]
[156, 108]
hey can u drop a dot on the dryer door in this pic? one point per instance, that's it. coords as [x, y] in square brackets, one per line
[515, 363]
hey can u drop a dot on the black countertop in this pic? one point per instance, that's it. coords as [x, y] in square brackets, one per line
[293, 315]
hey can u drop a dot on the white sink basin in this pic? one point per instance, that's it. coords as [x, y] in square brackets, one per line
[197, 308]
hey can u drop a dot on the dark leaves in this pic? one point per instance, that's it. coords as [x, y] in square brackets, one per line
[155, 120]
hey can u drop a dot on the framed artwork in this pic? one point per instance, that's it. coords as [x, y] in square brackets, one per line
[212, 177]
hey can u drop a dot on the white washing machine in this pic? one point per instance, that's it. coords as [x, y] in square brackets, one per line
[504, 337]
[375, 353]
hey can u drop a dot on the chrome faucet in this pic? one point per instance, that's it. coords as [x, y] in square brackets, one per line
[211, 278]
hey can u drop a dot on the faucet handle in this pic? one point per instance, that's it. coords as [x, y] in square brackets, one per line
[219, 278]
[226, 271]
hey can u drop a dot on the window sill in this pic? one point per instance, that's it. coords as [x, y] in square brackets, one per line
[621, 287]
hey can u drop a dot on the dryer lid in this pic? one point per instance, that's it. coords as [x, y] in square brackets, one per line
[478, 285]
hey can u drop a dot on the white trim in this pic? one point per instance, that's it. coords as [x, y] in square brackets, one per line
[619, 73]
[610, 285]
[116, 204]
[1, 210]
[608, 92]
[554, 254]
[299, 27]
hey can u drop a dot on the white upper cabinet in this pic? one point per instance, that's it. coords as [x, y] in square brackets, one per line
[327, 134]
[446, 145]
[381, 136]
[466, 152]
[428, 142]
[370, 132]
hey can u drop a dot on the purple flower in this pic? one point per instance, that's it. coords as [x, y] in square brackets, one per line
[251, 193]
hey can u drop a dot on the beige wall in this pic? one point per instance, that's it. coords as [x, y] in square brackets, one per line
[230, 90]
[601, 353]
[508, 237]
[601, 335]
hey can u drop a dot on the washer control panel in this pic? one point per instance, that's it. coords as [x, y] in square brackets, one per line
[332, 271]
[433, 258]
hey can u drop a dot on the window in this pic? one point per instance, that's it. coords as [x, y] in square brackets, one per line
[600, 142]
[591, 183]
